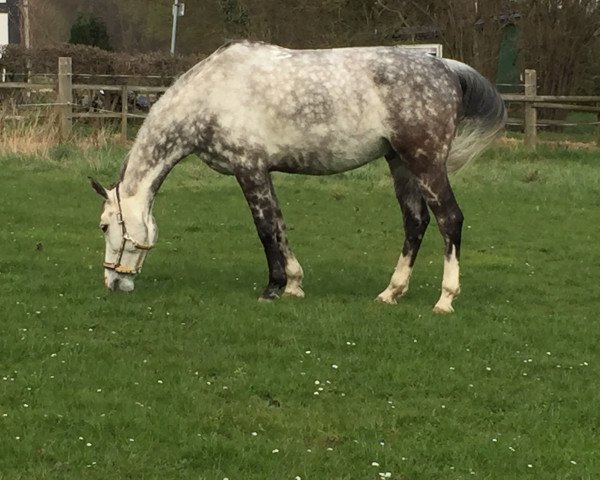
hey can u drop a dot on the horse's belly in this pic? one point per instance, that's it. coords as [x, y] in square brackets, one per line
[312, 155]
[327, 161]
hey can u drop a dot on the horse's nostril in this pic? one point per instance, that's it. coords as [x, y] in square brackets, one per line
[112, 286]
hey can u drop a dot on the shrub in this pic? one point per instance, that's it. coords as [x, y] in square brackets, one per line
[92, 64]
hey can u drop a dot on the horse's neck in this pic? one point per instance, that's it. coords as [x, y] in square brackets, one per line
[148, 164]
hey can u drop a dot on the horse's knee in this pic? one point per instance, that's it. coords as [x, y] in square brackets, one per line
[456, 216]
[422, 223]
[453, 226]
[450, 222]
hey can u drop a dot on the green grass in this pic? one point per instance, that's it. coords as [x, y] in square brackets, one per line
[171, 381]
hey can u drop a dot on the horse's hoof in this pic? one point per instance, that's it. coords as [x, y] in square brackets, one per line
[267, 299]
[443, 309]
[386, 298]
[293, 292]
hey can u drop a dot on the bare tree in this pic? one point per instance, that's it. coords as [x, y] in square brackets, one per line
[557, 37]
[559, 40]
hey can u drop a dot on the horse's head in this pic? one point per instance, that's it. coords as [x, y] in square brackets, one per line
[129, 232]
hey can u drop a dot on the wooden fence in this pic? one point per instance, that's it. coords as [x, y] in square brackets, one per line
[532, 102]
[64, 90]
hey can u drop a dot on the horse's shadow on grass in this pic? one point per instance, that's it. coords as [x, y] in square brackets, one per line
[246, 279]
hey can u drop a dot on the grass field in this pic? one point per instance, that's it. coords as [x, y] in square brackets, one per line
[189, 377]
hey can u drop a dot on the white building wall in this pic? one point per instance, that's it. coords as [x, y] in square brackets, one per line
[3, 27]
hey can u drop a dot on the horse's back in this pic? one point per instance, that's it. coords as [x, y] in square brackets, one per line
[313, 111]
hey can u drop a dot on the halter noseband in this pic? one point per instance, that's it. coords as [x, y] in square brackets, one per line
[125, 237]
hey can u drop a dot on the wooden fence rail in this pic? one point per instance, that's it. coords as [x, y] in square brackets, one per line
[63, 90]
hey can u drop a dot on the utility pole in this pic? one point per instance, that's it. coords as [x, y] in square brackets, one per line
[26, 28]
[26, 39]
[178, 11]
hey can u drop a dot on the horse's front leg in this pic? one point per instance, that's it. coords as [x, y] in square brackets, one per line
[284, 268]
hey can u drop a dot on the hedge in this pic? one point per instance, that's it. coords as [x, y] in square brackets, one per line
[91, 64]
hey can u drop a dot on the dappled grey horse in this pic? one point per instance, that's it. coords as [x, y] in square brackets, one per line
[251, 108]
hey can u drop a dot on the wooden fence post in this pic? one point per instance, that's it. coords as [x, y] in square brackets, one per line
[65, 96]
[598, 128]
[124, 111]
[530, 110]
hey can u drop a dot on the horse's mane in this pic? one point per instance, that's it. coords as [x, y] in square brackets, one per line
[122, 172]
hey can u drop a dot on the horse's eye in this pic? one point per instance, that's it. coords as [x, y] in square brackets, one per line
[104, 227]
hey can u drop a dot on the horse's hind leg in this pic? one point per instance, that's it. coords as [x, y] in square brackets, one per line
[416, 219]
[284, 269]
[433, 182]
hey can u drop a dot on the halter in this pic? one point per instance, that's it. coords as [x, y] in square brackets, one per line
[125, 237]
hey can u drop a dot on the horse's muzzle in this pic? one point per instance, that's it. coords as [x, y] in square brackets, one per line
[118, 282]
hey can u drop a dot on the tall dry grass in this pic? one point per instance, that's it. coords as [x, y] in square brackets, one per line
[33, 134]
[37, 134]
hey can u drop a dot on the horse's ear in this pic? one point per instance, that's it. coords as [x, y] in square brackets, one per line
[100, 190]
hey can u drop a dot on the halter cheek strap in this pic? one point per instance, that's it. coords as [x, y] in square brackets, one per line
[125, 237]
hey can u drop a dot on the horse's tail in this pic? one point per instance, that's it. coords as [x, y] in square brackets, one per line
[482, 118]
